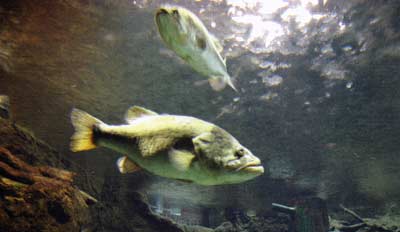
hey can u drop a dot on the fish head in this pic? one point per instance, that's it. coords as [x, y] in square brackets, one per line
[180, 29]
[171, 25]
[224, 156]
[185, 34]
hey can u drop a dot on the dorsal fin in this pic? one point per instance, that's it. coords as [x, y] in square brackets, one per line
[136, 112]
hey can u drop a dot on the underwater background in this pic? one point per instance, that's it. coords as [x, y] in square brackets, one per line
[318, 99]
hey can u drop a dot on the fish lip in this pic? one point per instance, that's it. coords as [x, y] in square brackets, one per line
[164, 12]
[161, 11]
[259, 169]
[252, 167]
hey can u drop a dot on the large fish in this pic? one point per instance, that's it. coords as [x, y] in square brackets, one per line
[177, 147]
[184, 33]
[4, 107]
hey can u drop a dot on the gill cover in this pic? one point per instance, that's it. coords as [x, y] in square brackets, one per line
[214, 147]
[201, 142]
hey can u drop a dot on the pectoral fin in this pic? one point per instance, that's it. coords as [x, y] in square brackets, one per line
[218, 83]
[126, 165]
[181, 159]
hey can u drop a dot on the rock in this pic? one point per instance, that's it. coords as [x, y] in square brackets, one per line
[39, 198]
[266, 223]
[122, 208]
[386, 223]
[22, 143]
[42, 198]
[226, 227]
[187, 228]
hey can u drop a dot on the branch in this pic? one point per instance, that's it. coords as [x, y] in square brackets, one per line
[352, 213]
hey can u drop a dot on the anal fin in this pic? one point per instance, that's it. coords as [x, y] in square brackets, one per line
[217, 83]
[126, 165]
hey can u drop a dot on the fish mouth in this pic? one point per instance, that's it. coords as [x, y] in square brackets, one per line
[257, 169]
[161, 11]
[165, 16]
[253, 167]
[162, 19]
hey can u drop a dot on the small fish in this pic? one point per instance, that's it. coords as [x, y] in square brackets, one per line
[186, 35]
[178, 147]
[4, 107]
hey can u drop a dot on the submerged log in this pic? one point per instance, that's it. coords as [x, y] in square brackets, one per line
[309, 215]
[382, 224]
[39, 198]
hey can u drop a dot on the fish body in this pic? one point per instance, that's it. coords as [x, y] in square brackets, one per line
[171, 146]
[186, 35]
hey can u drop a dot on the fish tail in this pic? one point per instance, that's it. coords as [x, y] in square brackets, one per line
[85, 125]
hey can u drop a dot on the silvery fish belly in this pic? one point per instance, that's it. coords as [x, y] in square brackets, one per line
[184, 33]
[172, 146]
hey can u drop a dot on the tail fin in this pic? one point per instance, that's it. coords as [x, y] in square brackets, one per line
[84, 124]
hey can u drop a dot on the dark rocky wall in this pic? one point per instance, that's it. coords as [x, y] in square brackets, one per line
[39, 198]
[43, 198]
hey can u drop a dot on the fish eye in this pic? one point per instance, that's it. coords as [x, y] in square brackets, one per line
[175, 12]
[240, 153]
[201, 43]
